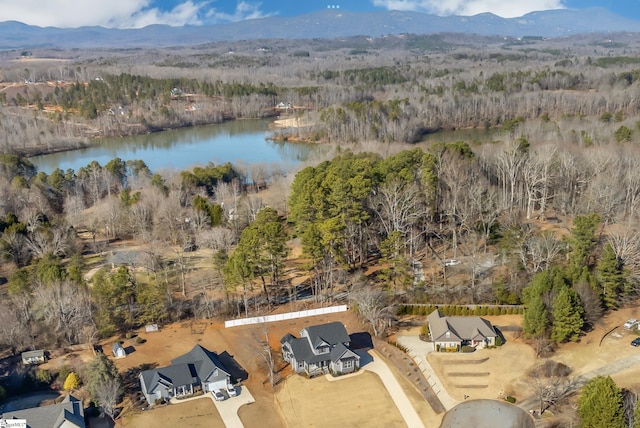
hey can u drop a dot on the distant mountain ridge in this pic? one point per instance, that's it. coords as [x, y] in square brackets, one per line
[330, 23]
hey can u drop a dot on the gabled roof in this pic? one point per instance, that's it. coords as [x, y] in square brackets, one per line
[331, 333]
[340, 351]
[205, 362]
[69, 413]
[197, 364]
[459, 328]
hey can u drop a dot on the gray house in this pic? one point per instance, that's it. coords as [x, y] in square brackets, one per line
[320, 349]
[197, 371]
[449, 333]
[67, 414]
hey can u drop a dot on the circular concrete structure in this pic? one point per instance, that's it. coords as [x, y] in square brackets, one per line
[487, 414]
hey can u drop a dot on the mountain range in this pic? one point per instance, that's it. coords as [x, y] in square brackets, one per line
[326, 24]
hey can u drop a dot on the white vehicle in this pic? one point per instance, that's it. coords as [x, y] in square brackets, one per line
[631, 323]
[451, 262]
[218, 395]
[231, 390]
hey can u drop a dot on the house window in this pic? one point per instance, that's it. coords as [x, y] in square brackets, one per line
[347, 364]
[447, 334]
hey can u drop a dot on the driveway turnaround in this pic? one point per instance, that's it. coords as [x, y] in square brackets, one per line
[228, 409]
[418, 350]
[377, 366]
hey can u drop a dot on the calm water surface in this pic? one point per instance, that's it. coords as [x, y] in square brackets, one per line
[241, 142]
[238, 142]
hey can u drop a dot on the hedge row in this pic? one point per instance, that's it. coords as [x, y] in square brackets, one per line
[451, 310]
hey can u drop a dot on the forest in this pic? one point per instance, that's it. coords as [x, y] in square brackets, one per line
[545, 216]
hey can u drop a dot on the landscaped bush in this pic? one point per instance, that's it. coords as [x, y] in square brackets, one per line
[424, 332]
[43, 376]
[72, 382]
[139, 340]
[510, 399]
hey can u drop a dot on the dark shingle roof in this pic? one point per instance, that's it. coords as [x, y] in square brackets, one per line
[205, 361]
[70, 411]
[199, 363]
[332, 333]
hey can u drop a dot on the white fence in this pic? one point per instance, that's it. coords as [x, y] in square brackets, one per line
[285, 316]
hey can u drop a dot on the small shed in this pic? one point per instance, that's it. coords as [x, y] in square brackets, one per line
[149, 328]
[33, 357]
[118, 350]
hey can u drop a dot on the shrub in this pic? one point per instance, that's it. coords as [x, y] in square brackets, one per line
[510, 399]
[43, 376]
[64, 372]
[499, 341]
[424, 332]
[72, 382]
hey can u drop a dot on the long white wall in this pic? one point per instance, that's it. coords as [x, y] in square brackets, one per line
[285, 316]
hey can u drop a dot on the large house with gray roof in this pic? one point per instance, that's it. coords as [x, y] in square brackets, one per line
[198, 371]
[320, 349]
[67, 414]
[452, 333]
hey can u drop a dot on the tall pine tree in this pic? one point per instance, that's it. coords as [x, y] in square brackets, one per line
[611, 277]
[600, 405]
[567, 316]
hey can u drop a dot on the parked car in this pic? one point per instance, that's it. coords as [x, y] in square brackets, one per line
[635, 342]
[631, 323]
[231, 390]
[218, 395]
[451, 262]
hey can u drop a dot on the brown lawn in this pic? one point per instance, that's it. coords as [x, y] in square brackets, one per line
[193, 414]
[507, 366]
[361, 400]
[486, 373]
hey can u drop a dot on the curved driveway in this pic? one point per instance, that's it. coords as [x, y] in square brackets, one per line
[418, 350]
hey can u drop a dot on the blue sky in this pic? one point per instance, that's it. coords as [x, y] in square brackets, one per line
[140, 13]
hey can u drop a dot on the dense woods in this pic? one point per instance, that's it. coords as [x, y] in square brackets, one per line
[544, 216]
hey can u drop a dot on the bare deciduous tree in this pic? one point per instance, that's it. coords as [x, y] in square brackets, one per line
[551, 382]
[374, 306]
[108, 394]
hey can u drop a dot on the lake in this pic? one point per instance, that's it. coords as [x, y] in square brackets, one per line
[239, 142]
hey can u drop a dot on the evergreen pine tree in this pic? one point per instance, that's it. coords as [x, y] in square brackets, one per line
[567, 316]
[611, 277]
[600, 405]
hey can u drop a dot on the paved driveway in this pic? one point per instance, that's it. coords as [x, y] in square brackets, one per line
[373, 363]
[418, 350]
[228, 408]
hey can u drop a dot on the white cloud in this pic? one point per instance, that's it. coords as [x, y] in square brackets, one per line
[244, 10]
[119, 13]
[505, 9]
